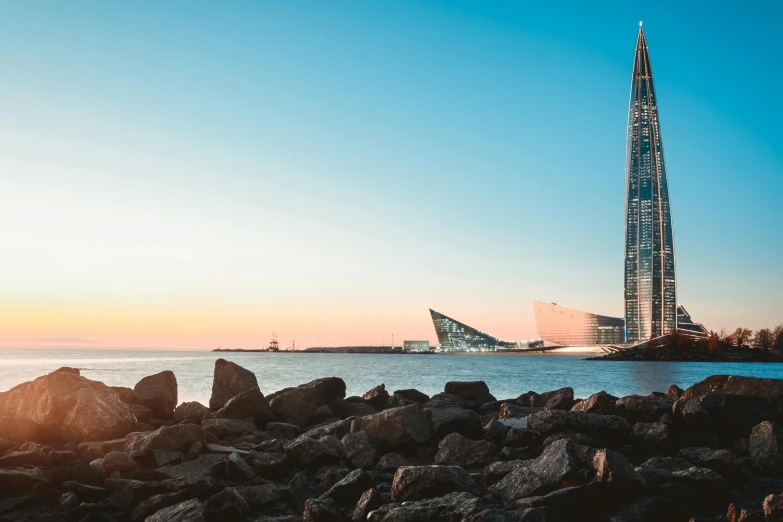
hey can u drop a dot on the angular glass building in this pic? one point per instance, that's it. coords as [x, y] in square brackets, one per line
[456, 336]
[650, 282]
[568, 327]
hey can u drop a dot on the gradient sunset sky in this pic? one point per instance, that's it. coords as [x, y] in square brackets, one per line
[189, 174]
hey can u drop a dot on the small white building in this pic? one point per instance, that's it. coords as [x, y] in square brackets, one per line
[416, 346]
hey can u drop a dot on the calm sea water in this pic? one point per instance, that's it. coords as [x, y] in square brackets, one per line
[507, 375]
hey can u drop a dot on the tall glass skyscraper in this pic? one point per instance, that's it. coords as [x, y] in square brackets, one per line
[650, 283]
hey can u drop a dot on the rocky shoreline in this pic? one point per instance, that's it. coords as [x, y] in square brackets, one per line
[692, 353]
[72, 449]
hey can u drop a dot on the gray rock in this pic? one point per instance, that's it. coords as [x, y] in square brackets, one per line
[249, 403]
[260, 495]
[18, 429]
[187, 511]
[496, 471]
[117, 461]
[513, 411]
[360, 450]
[600, 403]
[158, 393]
[396, 401]
[719, 460]
[272, 466]
[391, 461]
[445, 400]
[163, 457]
[520, 483]
[418, 482]
[476, 391]
[369, 501]
[323, 391]
[229, 380]
[377, 397]
[222, 428]
[288, 431]
[320, 510]
[292, 406]
[612, 468]
[414, 395]
[604, 427]
[311, 453]
[395, 427]
[455, 420]
[226, 506]
[520, 438]
[766, 447]
[457, 450]
[169, 438]
[347, 491]
[636, 408]
[773, 508]
[654, 436]
[562, 399]
[495, 431]
[200, 466]
[191, 412]
[454, 507]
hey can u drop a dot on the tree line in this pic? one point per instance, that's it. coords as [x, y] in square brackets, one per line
[764, 339]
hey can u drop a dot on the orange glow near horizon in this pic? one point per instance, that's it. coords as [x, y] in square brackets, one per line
[92, 325]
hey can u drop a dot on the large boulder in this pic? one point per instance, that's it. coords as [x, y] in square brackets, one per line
[311, 453]
[455, 420]
[395, 427]
[249, 403]
[348, 490]
[360, 450]
[720, 460]
[601, 403]
[554, 468]
[168, 438]
[293, 407]
[158, 393]
[418, 482]
[319, 392]
[377, 397]
[229, 380]
[456, 450]
[18, 429]
[70, 407]
[772, 389]
[191, 412]
[612, 468]
[413, 394]
[476, 391]
[766, 447]
[604, 427]
[638, 408]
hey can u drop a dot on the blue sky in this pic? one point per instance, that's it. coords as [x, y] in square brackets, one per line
[192, 173]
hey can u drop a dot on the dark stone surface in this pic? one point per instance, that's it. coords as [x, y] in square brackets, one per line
[158, 393]
[229, 380]
[419, 482]
[455, 420]
[476, 391]
[457, 450]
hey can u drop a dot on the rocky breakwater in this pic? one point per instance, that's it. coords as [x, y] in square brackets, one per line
[72, 449]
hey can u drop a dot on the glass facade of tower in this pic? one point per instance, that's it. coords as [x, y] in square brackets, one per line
[568, 327]
[650, 283]
[454, 335]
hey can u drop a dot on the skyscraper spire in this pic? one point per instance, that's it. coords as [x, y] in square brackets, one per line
[650, 282]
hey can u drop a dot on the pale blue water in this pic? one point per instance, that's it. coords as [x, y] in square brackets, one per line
[507, 375]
